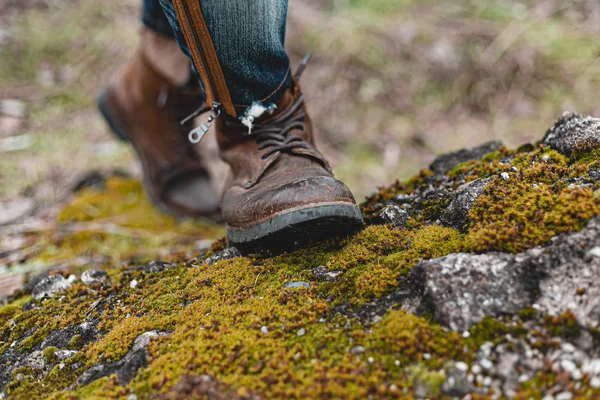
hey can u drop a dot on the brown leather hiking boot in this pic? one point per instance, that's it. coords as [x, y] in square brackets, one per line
[144, 108]
[281, 191]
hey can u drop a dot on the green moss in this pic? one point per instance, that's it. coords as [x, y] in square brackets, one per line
[528, 313]
[375, 282]
[235, 321]
[514, 217]
[49, 354]
[430, 381]
[493, 330]
[75, 343]
[564, 325]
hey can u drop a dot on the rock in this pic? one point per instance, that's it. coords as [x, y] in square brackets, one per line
[444, 163]
[50, 286]
[402, 198]
[571, 131]
[395, 215]
[87, 331]
[228, 253]
[461, 289]
[157, 266]
[35, 360]
[457, 382]
[133, 284]
[321, 273]
[94, 277]
[297, 285]
[457, 213]
[13, 108]
[62, 355]
[126, 368]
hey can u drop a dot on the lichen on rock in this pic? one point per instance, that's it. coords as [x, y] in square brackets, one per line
[476, 277]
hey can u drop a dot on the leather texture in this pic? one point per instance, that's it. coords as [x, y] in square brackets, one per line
[145, 108]
[260, 187]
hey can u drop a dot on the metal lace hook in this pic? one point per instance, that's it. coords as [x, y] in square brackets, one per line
[196, 135]
[303, 65]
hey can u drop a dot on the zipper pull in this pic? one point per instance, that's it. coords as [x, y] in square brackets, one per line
[197, 134]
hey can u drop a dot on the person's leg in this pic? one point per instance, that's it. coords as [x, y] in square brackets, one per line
[244, 55]
[144, 105]
[281, 189]
[154, 18]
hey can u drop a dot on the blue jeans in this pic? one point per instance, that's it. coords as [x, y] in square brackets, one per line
[248, 38]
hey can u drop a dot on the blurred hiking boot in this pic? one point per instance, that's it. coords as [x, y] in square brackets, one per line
[144, 105]
[281, 192]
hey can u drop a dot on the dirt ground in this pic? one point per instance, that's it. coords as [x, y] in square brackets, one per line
[392, 84]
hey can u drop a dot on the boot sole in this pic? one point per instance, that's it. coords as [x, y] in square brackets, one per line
[298, 227]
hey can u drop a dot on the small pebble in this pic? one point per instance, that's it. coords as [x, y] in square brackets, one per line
[370, 360]
[545, 158]
[486, 364]
[133, 284]
[264, 330]
[397, 362]
[505, 176]
[296, 285]
[301, 332]
[568, 365]
[564, 396]
[132, 397]
[72, 278]
[595, 382]
[461, 366]
[466, 334]
[567, 347]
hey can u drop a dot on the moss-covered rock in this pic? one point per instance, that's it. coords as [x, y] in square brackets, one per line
[491, 313]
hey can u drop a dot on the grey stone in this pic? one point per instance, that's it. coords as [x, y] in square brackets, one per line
[227, 254]
[461, 289]
[94, 277]
[126, 368]
[321, 273]
[446, 162]
[457, 382]
[402, 198]
[395, 215]
[61, 338]
[297, 285]
[157, 266]
[457, 213]
[572, 130]
[50, 286]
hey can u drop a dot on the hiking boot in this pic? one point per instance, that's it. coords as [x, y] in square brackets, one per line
[281, 192]
[144, 107]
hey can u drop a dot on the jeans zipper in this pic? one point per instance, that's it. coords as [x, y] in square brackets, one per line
[199, 41]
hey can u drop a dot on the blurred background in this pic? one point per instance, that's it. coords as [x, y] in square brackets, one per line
[392, 84]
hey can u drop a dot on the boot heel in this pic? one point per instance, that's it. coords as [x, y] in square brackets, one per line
[105, 109]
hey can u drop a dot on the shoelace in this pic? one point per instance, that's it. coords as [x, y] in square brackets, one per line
[274, 136]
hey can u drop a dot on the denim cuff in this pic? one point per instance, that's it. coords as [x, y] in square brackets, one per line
[157, 21]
